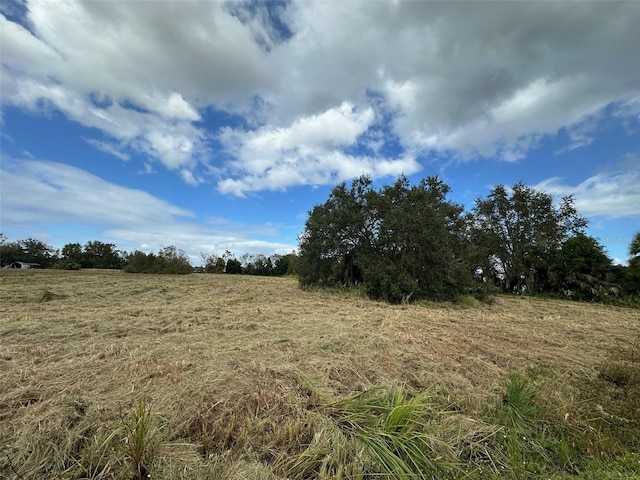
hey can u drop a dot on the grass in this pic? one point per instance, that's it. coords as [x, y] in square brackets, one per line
[233, 377]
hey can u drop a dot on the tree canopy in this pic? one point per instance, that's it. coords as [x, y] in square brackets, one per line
[401, 242]
[408, 242]
[518, 231]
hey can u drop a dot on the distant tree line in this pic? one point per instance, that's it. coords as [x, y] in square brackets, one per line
[172, 260]
[409, 242]
[275, 265]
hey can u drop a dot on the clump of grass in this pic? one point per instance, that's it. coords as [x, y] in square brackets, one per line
[467, 301]
[622, 368]
[519, 402]
[380, 432]
[616, 395]
[126, 451]
[47, 296]
[137, 437]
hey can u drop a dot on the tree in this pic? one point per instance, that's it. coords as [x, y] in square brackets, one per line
[421, 248]
[285, 264]
[402, 242]
[168, 260]
[140, 262]
[36, 251]
[233, 266]
[213, 263]
[10, 251]
[634, 251]
[335, 233]
[72, 252]
[98, 254]
[72, 257]
[583, 270]
[518, 230]
[175, 260]
[632, 274]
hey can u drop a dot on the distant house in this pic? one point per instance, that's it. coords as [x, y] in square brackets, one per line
[22, 265]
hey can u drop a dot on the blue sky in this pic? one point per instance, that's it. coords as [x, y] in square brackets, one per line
[217, 126]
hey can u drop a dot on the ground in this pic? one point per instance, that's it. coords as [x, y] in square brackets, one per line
[79, 351]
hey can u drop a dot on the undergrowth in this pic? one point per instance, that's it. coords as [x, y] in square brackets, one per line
[536, 426]
[539, 423]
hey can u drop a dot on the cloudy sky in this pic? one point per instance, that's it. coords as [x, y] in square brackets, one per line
[219, 125]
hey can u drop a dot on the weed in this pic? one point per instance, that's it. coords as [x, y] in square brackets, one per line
[379, 432]
[137, 438]
[467, 301]
[519, 402]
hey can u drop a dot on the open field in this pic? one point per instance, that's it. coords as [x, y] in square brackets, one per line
[239, 375]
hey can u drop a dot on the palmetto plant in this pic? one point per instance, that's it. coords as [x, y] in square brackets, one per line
[519, 402]
[381, 432]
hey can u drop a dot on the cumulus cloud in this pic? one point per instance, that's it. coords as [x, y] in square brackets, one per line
[612, 194]
[470, 79]
[309, 151]
[63, 195]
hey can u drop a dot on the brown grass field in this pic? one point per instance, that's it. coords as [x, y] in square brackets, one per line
[231, 368]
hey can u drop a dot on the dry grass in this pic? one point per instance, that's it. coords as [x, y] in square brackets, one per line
[233, 366]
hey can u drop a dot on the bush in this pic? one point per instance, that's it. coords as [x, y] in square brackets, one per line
[168, 260]
[67, 265]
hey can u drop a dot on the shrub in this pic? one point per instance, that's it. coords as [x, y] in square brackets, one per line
[67, 265]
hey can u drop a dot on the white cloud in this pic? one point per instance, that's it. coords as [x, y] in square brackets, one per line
[308, 152]
[61, 195]
[108, 148]
[612, 194]
[463, 78]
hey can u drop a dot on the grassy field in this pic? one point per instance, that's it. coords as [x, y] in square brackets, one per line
[112, 375]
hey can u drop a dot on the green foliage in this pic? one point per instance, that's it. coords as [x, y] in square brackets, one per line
[169, 260]
[98, 254]
[257, 265]
[10, 251]
[381, 433]
[533, 440]
[213, 263]
[39, 252]
[335, 235]
[517, 232]
[30, 250]
[582, 270]
[134, 440]
[233, 266]
[402, 242]
[66, 264]
[519, 403]
[275, 265]
[633, 278]
[72, 253]
[285, 264]
[175, 260]
[634, 247]
[137, 439]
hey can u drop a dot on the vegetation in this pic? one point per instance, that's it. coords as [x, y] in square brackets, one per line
[30, 250]
[94, 254]
[402, 242]
[168, 260]
[518, 232]
[107, 375]
[407, 243]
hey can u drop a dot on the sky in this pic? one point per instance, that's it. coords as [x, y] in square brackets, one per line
[215, 126]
